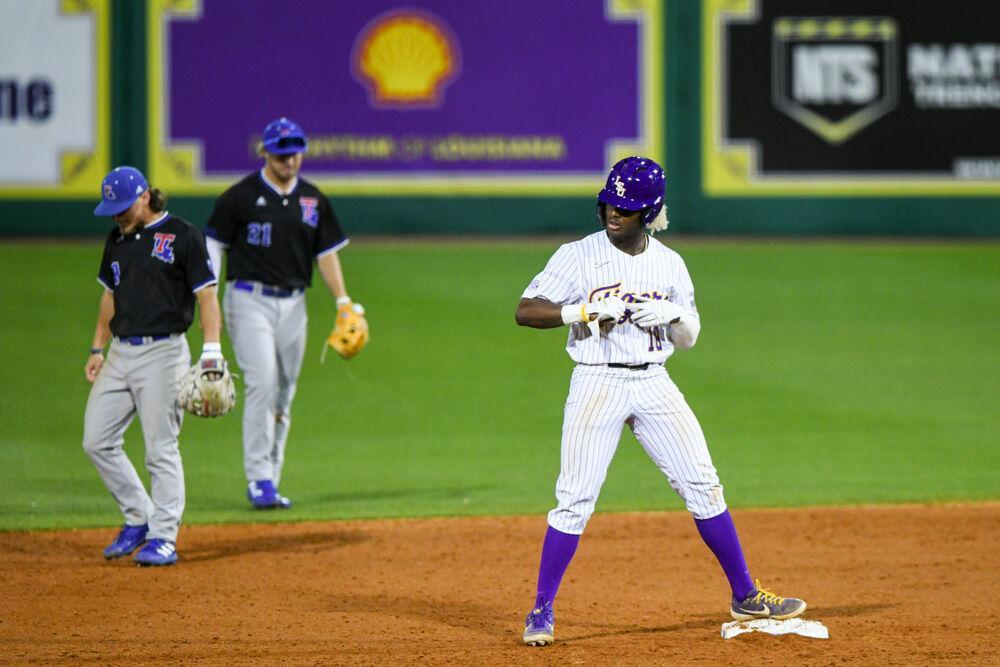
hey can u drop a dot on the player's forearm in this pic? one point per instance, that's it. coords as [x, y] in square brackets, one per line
[333, 274]
[684, 334]
[539, 314]
[102, 331]
[209, 314]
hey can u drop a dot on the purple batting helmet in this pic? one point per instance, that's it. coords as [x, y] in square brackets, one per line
[634, 184]
[119, 190]
[284, 137]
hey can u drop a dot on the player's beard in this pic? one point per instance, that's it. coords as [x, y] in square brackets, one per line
[283, 172]
[132, 218]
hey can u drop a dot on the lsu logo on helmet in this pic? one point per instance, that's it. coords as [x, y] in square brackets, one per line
[619, 187]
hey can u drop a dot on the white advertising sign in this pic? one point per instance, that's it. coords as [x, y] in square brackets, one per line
[53, 97]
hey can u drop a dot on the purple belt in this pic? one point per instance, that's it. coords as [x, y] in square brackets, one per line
[140, 340]
[248, 286]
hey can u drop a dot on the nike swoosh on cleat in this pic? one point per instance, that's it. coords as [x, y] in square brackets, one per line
[766, 612]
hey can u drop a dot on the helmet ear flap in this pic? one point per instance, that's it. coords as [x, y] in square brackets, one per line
[659, 222]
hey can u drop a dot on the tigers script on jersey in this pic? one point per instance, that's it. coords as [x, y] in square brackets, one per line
[593, 269]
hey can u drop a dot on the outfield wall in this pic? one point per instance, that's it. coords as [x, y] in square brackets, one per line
[873, 117]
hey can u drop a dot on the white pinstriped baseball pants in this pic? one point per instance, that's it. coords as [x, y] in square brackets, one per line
[601, 400]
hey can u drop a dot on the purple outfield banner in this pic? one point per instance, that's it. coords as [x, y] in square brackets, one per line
[406, 97]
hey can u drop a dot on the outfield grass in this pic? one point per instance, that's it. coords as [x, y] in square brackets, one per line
[825, 373]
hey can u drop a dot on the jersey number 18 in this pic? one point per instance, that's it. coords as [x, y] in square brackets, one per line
[654, 339]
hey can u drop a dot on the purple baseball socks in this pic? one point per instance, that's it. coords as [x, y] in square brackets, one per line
[557, 552]
[719, 534]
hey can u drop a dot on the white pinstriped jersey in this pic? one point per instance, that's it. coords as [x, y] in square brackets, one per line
[592, 269]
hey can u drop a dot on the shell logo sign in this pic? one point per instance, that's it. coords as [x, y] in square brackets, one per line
[406, 59]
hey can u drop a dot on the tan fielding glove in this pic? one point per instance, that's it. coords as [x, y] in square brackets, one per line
[207, 389]
[350, 334]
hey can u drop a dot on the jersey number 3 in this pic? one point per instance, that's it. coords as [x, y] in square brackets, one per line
[259, 234]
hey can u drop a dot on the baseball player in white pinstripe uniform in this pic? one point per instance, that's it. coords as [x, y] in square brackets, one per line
[629, 303]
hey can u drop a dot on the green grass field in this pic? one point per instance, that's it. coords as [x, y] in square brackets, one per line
[825, 373]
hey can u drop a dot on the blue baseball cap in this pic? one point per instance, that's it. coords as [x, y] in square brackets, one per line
[284, 137]
[119, 190]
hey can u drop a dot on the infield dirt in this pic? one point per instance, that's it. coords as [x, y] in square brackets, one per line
[894, 584]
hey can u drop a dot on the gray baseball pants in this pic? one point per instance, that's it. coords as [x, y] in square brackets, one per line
[269, 338]
[143, 380]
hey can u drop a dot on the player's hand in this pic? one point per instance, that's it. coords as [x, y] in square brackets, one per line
[611, 308]
[93, 367]
[647, 313]
[350, 333]
[211, 357]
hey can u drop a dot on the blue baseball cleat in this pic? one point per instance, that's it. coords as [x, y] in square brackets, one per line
[157, 552]
[762, 603]
[263, 495]
[540, 625]
[128, 540]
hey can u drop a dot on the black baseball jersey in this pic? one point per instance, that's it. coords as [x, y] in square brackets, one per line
[154, 272]
[273, 238]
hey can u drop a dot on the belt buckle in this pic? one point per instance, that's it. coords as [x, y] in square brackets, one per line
[141, 340]
[636, 367]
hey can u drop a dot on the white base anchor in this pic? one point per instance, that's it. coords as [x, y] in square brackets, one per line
[796, 626]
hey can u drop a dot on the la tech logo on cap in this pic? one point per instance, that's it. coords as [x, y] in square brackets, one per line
[835, 75]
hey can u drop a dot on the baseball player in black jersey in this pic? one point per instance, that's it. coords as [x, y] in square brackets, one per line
[155, 267]
[272, 225]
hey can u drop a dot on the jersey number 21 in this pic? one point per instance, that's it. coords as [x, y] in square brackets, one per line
[259, 234]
